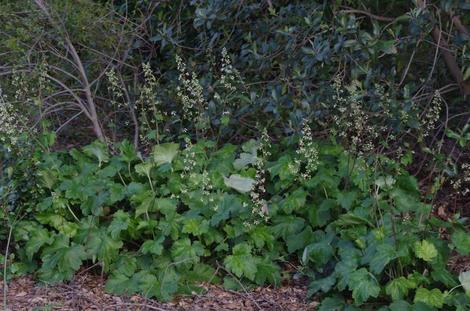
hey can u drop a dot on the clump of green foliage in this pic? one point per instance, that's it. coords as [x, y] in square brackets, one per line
[162, 224]
[159, 217]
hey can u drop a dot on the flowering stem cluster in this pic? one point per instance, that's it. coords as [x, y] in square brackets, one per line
[148, 104]
[432, 116]
[190, 93]
[260, 206]
[230, 75]
[189, 158]
[352, 122]
[462, 184]
[11, 123]
[307, 154]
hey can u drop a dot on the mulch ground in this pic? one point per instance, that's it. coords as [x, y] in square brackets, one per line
[86, 292]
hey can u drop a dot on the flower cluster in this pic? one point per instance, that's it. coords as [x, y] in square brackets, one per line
[352, 121]
[207, 187]
[432, 115]
[11, 123]
[462, 185]
[21, 87]
[190, 93]
[189, 158]
[230, 75]
[260, 206]
[114, 88]
[147, 103]
[307, 155]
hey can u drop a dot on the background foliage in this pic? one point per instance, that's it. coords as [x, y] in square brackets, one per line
[128, 130]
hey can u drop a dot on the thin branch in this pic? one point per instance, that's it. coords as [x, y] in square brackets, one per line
[372, 16]
[449, 58]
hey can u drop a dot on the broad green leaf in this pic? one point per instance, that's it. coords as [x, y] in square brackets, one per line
[398, 288]
[241, 262]
[318, 253]
[261, 236]
[299, 241]
[388, 47]
[401, 305]
[169, 284]
[444, 276]
[294, 201]
[126, 264]
[154, 247]
[244, 160]
[323, 285]
[119, 223]
[61, 260]
[144, 168]
[231, 283]
[404, 201]
[343, 271]
[239, 183]
[229, 205]
[94, 204]
[202, 272]
[147, 204]
[149, 285]
[349, 219]
[281, 168]
[335, 303]
[321, 215]
[128, 153]
[363, 285]
[346, 199]
[385, 181]
[384, 254]
[461, 241]
[98, 150]
[284, 226]
[267, 272]
[58, 222]
[119, 284]
[425, 250]
[165, 153]
[434, 297]
[99, 245]
[187, 252]
[166, 206]
[196, 226]
[464, 278]
[117, 192]
[38, 238]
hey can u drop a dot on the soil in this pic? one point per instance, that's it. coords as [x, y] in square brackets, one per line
[86, 292]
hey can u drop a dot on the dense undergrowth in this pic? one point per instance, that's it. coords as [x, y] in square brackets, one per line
[162, 224]
[242, 143]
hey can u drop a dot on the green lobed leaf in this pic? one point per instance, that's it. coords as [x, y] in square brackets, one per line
[61, 260]
[164, 153]
[461, 241]
[398, 288]
[464, 278]
[363, 285]
[434, 297]
[425, 250]
[154, 247]
[239, 183]
[384, 255]
[241, 262]
[99, 150]
[119, 223]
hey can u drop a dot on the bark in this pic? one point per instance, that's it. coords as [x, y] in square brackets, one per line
[449, 57]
